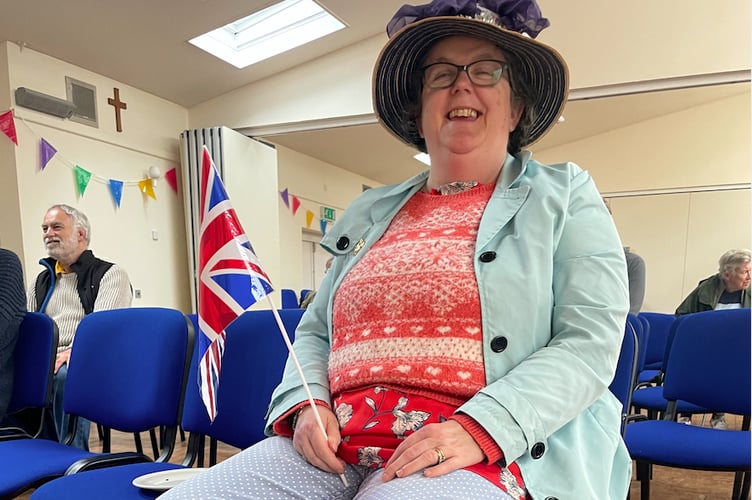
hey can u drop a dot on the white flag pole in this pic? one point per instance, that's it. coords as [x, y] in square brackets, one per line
[294, 358]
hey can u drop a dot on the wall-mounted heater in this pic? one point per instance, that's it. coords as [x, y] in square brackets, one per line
[44, 103]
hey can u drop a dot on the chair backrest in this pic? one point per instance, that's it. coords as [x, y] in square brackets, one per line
[34, 361]
[626, 369]
[252, 366]
[289, 299]
[128, 369]
[643, 336]
[708, 363]
[660, 326]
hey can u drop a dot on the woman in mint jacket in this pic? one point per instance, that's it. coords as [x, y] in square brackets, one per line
[463, 341]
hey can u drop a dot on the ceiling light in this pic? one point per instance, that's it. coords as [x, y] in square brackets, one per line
[276, 29]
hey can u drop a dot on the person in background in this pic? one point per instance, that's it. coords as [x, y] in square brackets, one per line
[463, 341]
[636, 278]
[729, 288]
[12, 310]
[74, 283]
[635, 275]
[309, 298]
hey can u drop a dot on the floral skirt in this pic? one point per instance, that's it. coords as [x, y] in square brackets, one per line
[374, 421]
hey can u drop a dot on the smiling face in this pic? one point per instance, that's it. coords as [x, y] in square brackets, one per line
[64, 241]
[464, 118]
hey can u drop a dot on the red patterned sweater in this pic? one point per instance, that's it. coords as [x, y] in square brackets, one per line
[407, 318]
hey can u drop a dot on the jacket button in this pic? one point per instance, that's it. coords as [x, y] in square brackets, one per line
[498, 344]
[488, 256]
[343, 243]
[551, 498]
[538, 450]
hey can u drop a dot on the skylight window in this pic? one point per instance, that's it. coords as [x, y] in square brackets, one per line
[276, 29]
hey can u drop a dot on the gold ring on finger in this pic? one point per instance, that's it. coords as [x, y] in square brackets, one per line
[440, 456]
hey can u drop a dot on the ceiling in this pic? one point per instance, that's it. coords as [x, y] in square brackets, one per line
[144, 44]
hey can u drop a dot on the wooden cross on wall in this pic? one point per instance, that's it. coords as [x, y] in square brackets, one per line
[118, 105]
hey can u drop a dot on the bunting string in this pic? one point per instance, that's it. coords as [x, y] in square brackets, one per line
[294, 203]
[83, 177]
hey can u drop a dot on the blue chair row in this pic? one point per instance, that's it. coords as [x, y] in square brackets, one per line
[707, 365]
[127, 372]
[626, 371]
[649, 396]
[291, 300]
[252, 366]
[29, 408]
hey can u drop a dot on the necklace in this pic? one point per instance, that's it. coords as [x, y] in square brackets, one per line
[454, 187]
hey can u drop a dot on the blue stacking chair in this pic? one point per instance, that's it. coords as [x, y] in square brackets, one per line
[708, 365]
[127, 371]
[659, 326]
[252, 367]
[626, 371]
[33, 372]
[651, 397]
[289, 299]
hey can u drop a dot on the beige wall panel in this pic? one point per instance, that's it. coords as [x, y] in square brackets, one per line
[676, 38]
[701, 146]
[655, 227]
[718, 221]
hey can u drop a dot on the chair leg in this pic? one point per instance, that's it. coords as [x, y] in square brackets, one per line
[154, 447]
[644, 473]
[741, 485]
[137, 441]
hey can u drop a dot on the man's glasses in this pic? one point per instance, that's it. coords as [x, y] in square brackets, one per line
[483, 73]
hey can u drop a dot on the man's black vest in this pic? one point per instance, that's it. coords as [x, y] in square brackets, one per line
[89, 271]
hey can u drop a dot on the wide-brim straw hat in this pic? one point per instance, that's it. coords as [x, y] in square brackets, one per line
[414, 30]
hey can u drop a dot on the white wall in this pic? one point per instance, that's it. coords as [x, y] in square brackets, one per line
[677, 38]
[666, 181]
[712, 37]
[151, 127]
[315, 183]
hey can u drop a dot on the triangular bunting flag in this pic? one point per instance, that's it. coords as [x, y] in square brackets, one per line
[8, 126]
[116, 188]
[46, 152]
[322, 222]
[147, 187]
[172, 179]
[283, 194]
[308, 218]
[82, 179]
[295, 204]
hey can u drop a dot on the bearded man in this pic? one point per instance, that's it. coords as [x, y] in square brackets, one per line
[74, 283]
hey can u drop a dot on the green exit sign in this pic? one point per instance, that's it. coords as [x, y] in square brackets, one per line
[328, 214]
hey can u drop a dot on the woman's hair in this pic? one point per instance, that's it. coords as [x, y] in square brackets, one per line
[80, 220]
[732, 259]
[523, 94]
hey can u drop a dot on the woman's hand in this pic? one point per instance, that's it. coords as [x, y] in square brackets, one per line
[437, 448]
[308, 440]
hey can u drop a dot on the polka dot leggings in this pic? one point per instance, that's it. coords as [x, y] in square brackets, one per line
[272, 469]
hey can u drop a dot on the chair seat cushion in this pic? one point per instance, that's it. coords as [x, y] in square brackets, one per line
[115, 481]
[664, 442]
[651, 398]
[26, 467]
[647, 375]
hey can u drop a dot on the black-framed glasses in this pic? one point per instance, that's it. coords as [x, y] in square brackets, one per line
[483, 73]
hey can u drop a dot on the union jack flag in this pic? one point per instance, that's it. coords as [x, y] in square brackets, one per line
[230, 278]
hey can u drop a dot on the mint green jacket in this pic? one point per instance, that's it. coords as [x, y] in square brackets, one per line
[554, 298]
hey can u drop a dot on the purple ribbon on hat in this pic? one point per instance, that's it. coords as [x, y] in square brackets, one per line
[522, 16]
